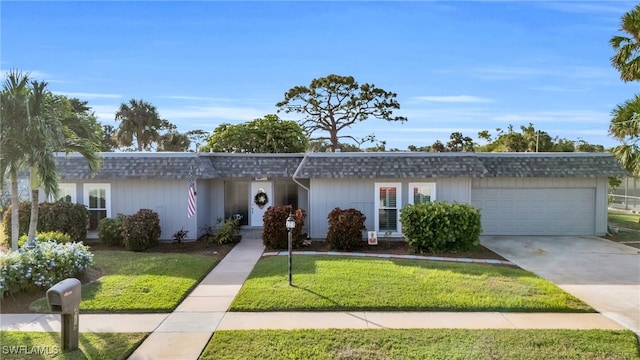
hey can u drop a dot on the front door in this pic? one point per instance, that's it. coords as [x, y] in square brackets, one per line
[260, 198]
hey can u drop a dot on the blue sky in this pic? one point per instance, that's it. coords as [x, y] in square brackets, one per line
[456, 66]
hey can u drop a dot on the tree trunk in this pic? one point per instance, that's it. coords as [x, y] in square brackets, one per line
[335, 145]
[33, 221]
[15, 216]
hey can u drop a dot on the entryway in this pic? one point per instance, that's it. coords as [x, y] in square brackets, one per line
[260, 198]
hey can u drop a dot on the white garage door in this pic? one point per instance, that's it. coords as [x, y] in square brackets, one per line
[536, 211]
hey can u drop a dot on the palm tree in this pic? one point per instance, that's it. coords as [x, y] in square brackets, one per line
[30, 138]
[28, 135]
[13, 110]
[625, 124]
[626, 59]
[140, 120]
[625, 127]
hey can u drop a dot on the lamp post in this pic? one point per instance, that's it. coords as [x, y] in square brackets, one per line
[290, 224]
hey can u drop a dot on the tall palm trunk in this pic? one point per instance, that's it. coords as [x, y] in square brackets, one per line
[15, 204]
[33, 222]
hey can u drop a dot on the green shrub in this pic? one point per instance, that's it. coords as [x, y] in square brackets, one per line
[141, 230]
[65, 217]
[345, 229]
[60, 216]
[43, 266]
[274, 232]
[110, 230]
[55, 236]
[439, 226]
[227, 231]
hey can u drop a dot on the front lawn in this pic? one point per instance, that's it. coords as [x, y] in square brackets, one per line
[422, 344]
[328, 283]
[46, 345]
[624, 219]
[141, 282]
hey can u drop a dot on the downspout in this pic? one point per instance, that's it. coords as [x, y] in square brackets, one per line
[296, 173]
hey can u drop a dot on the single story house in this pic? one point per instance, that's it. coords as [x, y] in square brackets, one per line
[517, 193]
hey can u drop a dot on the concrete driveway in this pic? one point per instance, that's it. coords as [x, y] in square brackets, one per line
[602, 273]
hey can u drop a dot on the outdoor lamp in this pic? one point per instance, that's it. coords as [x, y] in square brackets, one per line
[290, 224]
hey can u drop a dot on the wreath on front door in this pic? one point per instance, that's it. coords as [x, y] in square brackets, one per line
[261, 199]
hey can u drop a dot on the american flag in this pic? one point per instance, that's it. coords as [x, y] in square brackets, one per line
[191, 207]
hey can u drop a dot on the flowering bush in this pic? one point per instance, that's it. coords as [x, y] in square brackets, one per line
[55, 236]
[43, 266]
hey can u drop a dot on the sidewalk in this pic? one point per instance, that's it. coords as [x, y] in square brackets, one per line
[184, 333]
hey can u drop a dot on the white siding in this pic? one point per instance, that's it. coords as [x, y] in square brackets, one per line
[327, 194]
[166, 197]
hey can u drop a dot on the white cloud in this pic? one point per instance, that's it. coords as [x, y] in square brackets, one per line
[595, 8]
[212, 112]
[551, 88]
[196, 98]
[455, 99]
[572, 72]
[82, 95]
[558, 117]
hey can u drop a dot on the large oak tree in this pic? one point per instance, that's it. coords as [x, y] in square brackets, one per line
[263, 135]
[332, 103]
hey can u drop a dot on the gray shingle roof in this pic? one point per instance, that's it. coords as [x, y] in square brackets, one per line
[390, 165]
[253, 165]
[136, 166]
[551, 165]
[341, 165]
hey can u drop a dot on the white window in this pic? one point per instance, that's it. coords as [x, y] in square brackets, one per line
[66, 193]
[388, 204]
[97, 198]
[422, 193]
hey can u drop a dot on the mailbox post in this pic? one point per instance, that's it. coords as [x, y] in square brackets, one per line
[64, 298]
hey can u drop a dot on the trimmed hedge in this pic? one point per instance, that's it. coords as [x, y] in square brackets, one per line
[274, 233]
[110, 230]
[439, 226]
[59, 216]
[345, 229]
[65, 217]
[141, 230]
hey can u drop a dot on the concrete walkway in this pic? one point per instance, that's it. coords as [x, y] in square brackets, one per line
[184, 333]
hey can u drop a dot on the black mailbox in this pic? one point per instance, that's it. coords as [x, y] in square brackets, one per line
[64, 298]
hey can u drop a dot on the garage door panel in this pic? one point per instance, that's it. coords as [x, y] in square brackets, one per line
[536, 211]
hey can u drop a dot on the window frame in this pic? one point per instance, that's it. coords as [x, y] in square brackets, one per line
[107, 195]
[72, 189]
[398, 207]
[432, 192]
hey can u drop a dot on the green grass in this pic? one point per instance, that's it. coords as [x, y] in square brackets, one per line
[422, 344]
[46, 345]
[141, 282]
[327, 283]
[624, 219]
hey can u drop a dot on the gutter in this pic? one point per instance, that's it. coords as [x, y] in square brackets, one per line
[293, 177]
